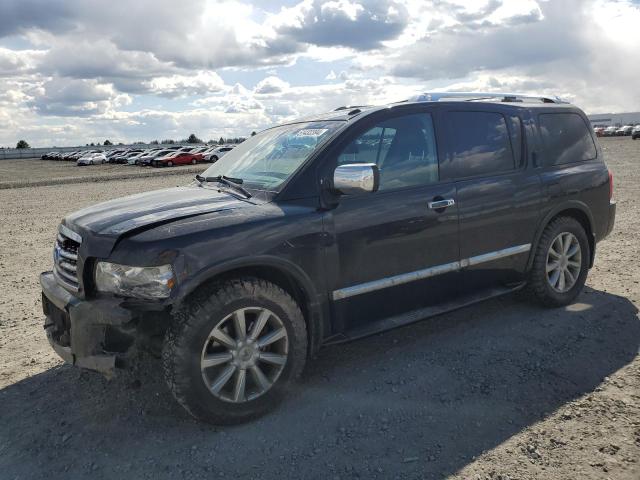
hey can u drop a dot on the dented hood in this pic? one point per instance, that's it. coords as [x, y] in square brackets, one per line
[117, 217]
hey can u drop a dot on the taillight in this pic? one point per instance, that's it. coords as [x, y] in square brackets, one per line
[610, 185]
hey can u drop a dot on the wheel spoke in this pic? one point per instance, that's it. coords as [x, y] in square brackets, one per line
[553, 253]
[273, 358]
[240, 324]
[272, 337]
[241, 381]
[223, 378]
[553, 279]
[569, 277]
[552, 266]
[558, 245]
[262, 381]
[222, 338]
[573, 250]
[561, 281]
[214, 359]
[566, 243]
[259, 324]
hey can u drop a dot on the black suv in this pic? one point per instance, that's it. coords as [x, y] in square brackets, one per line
[328, 229]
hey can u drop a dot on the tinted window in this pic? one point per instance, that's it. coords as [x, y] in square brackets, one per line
[515, 126]
[566, 138]
[404, 149]
[480, 143]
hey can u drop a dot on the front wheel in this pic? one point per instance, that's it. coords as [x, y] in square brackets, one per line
[193, 161]
[232, 352]
[214, 159]
[169, 164]
[561, 263]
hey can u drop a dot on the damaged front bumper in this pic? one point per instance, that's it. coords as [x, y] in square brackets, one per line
[84, 332]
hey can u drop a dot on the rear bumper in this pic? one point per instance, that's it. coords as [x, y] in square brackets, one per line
[77, 329]
[612, 217]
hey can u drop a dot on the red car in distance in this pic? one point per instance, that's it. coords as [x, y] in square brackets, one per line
[177, 158]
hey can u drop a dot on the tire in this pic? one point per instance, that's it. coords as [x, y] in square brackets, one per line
[214, 159]
[194, 161]
[539, 284]
[90, 162]
[190, 341]
[169, 164]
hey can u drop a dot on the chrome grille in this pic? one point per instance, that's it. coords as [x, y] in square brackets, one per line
[65, 258]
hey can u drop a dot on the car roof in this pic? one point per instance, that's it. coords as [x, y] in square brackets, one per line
[349, 113]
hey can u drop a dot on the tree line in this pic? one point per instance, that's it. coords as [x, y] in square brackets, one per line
[168, 141]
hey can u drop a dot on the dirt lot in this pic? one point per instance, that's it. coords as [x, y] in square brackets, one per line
[502, 390]
[36, 172]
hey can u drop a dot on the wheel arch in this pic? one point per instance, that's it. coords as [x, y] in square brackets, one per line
[286, 275]
[577, 210]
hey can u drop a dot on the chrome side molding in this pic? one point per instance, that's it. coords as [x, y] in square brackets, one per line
[427, 272]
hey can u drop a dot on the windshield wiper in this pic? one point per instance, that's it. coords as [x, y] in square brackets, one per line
[234, 183]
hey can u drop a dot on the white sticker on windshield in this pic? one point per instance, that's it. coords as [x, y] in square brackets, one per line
[311, 132]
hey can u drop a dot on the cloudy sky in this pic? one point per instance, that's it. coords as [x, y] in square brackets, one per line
[79, 71]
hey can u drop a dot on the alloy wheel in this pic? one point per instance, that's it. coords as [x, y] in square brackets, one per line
[564, 262]
[244, 354]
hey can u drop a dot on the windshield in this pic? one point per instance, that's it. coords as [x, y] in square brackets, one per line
[266, 160]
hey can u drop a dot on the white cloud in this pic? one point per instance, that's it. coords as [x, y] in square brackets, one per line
[200, 83]
[271, 84]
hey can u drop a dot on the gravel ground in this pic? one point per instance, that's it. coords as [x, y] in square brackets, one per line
[36, 172]
[501, 390]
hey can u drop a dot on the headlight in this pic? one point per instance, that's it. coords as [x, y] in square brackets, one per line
[141, 282]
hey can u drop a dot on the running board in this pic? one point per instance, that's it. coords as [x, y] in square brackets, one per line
[420, 314]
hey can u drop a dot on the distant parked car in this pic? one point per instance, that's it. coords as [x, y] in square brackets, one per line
[217, 153]
[177, 158]
[69, 155]
[112, 153]
[599, 131]
[47, 156]
[635, 133]
[134, 159]
[124, 156]
[624, 131]
[610, 131]
[92, 159]
[147, 157]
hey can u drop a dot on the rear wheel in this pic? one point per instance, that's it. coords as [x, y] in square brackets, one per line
[169, 164]
[233, 350]
[561, 263]
[194, 161]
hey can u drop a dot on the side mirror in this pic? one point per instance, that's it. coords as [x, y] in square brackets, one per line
[356, 178]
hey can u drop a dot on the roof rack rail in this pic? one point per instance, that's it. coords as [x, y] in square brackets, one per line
[345, 107]
[475, 96]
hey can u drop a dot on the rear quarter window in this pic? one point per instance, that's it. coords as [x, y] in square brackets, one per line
[480, 143]
[565, 138]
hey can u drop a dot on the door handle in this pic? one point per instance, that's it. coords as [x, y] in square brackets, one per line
[441, 204]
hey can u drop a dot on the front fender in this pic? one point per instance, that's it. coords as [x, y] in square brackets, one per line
[315, 304]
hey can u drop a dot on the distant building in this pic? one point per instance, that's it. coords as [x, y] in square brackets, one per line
[616, 119]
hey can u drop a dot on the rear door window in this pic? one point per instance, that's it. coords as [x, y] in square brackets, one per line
[566, 138]
[480, 144]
